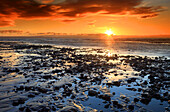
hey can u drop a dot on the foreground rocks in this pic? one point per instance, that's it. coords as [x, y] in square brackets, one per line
[47, 78]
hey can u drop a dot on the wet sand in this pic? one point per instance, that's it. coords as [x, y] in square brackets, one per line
[47, 78]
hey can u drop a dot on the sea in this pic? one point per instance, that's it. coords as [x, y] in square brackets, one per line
[143, 46]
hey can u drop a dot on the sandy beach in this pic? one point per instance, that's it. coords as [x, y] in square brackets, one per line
[44, 78]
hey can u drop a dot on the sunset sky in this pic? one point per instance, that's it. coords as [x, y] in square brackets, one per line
[123, 17]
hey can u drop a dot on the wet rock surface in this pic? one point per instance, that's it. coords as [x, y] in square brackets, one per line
[48, 78]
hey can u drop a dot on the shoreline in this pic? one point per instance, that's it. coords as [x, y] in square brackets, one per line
[50, 78]
[104, 48]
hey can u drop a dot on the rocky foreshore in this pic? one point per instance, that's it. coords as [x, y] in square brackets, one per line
[47, 78]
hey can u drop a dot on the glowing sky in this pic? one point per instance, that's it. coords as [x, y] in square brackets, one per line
[123, 17]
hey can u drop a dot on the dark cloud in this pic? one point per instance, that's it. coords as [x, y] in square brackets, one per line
[68, 20]
[10, 31]
[40, 9]
[149, 16]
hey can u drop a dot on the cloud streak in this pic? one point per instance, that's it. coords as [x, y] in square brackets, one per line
[71, 9]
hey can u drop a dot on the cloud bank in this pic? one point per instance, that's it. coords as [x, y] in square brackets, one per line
[68, 10]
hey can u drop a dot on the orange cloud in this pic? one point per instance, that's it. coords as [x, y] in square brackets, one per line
[57, 9]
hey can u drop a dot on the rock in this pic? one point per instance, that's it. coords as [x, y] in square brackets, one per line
[47, 76]
[69, 109]
[60, 105]
[122, 96]
[31, 95]
[107, 105]
[13, 70]
[56, 71]
[15, 103]
[166, 108]
[1, 57]
[53, 108]
[165, 94]
[115, 83]
[139, 89]
[28, 110]
[82, 76]
[28, 88]
[146, 95]
[21, 108]
[157, 96]
[92, 93]
[136, 100]
[131, 107]
[131, 89]
[113, 93]
[69, 71]
[19, 101]
[119, 106]
[145, 82]
[42, 90]
[145, 101]
[131, 80]
[38, 107]
[105, 97]
[115, 102]
[20, 88]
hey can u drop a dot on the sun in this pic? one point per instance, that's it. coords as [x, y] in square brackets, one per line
[109, 32]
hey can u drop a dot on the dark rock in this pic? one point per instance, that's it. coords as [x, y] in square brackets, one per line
[136, 99]
[21, 108]
[115, 83]
[131, 107]
[131, 80]
[19, 101]
[146, 95]
[107, 105]
[1, 57]
[15, 103]
[105, 97]
[131, 89]
[44, 109]
[28, 110]
[145, 82]
[165, 94]
[113, 93]
[28, 88]
[82, 76]
[69, 71]
[139, 89]
[53, 108]
[60, 105]
[56, 71]
[92, 93]
[20, 88]
[145, 101]
[13, 70]
[47, 76]
[119, 106]
[42, 90]
[157, 96]
[31, 95]
[166, 108]
[115, 102]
